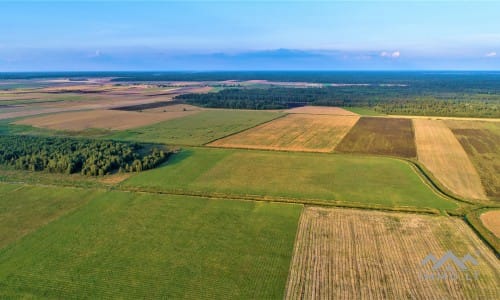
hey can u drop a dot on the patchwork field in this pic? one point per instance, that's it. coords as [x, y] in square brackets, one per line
[295, 132]
[23, 209]
[439, 150]
[125, 245]
[491, 220]
[320, 110]
[197, 129]
[481, 141]
[327, 178]
[351, 254]
[102, 119]
[381, 136]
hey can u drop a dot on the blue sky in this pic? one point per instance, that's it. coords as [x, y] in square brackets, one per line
[189, 35]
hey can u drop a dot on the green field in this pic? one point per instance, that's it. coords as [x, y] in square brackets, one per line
[127, 245]
[364, 111]
[197, 129]
[351, 179]
[24, 209]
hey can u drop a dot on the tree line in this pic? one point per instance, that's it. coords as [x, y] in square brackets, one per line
[85, 156]
[386, 99]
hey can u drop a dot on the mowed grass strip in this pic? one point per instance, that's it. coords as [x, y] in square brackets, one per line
[481, 141]
[302, 176]
[126, 245]
[382, 136]
[24, 209]
[295, 132]
[198, 129]
[439, 150]
[353, 254]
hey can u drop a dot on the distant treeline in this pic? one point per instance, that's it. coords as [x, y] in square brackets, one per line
[85, 156]
[386, 99]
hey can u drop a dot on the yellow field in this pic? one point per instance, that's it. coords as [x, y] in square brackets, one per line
[295, 132]
[481, 141]
[320, 110]
[103, 119]
[491, 220]
[354, 254]
[441, 153]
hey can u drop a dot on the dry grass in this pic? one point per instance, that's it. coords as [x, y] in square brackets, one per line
[441, 153]
[320, 110]
[383, 136]
[491, 220]
[102, 119]
[352, 254]
[295, 132]
[481, 141]
[173, 108]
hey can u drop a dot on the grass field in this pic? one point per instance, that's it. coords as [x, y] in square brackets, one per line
[197, 129]
[481, 141]
[364, 180]
[382, 136]
[363, 111]
[295, 132]
[441, 153]
[23, 209]
[126, 245]
[103, 119]
[351, 254]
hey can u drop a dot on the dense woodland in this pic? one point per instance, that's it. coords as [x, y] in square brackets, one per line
[384, 99]
[85, 156]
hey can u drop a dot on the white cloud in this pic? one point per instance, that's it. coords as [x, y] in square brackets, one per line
[394, 54]
[491, 54]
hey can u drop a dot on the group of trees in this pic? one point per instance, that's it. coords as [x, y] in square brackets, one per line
[398, 99]
[85, 156]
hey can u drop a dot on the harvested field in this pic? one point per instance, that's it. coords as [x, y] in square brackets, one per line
[295, 132]
[441, 153]
[380, 136]
[321, 110]
[352, 254]
[481, 141]
[491, 220]
[104, 119]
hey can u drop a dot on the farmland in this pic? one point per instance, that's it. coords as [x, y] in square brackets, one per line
[491, 220]
[309, 202]
[481, 141]
[24, 209]
[126, 245]
[441, 153]
[102, 119]
[349, 254]
[380, 136]
[197, 129]
[305, 177]
[297, 132]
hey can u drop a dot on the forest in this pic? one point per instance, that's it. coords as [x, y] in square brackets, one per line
[85, 156]
[385, 99]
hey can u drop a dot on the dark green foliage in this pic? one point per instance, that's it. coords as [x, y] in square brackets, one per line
[406, 100]
[85, 156]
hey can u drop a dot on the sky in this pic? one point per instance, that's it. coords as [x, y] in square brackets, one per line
[249, 35]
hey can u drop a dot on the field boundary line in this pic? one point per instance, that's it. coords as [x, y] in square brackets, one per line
[248, 128]
[294, 252]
